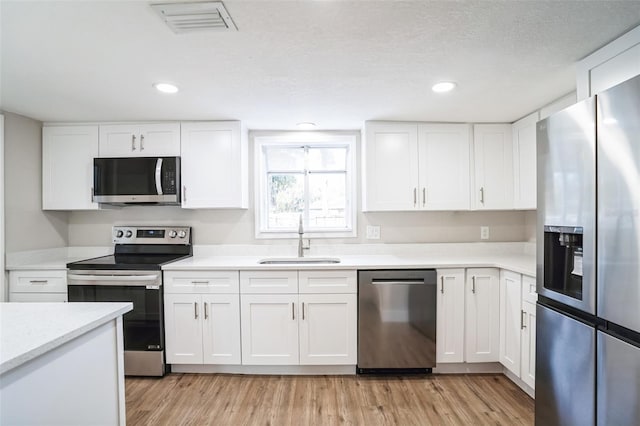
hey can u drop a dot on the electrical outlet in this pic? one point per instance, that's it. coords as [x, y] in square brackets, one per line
[373, 232]
[484, 232]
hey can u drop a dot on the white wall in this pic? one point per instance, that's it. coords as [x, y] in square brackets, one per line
[27, 226]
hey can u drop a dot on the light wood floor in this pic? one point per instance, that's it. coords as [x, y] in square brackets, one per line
[206, 399]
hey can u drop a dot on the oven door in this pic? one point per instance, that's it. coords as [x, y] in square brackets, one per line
[143, 326]
[136, 180]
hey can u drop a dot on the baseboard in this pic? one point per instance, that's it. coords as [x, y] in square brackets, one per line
[469, 368]
[267, 369]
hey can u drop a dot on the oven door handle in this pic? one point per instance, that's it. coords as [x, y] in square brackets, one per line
[121, 280]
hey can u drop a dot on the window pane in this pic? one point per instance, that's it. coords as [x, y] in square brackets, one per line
[328, 158]
[286, 200]
[285, 158]
[327, 200]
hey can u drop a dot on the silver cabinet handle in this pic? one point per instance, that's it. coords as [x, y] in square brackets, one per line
[473, 284]
[293, 311]
[442, 284]
[133, 142]
[482, 194]
[522, 316]
[303, 311]
[206, 314]
[424, 197]
[92, 194]
[195, 310]
[184, 193]
[141, 142]
[39, 281]
[199, 282]
[415, 197]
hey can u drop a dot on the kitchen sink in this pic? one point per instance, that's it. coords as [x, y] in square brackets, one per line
[297, 260]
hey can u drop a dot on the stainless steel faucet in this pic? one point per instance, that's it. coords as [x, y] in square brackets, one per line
[300, 232]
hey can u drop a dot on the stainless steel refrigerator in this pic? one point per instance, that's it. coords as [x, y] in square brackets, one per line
[588, 266]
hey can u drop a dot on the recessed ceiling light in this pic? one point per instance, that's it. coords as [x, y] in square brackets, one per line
[306, 126]
[444, 86]
[165, 87]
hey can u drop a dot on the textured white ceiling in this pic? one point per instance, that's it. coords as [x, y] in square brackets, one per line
[336, 63]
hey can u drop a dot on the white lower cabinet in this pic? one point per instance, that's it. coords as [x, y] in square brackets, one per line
[510, 320]
[299, 329]
[269, 329]
[482, 321]
[202, 329]
[328, 329]
[450, 316]
[528, 363]
[202, 317]
[38, 286]
[518, 325]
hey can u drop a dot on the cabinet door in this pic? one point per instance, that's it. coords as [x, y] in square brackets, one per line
[450, 316]
[159, 140]
[119, 140]
[38, 297]
[328, 281]
[269, 329]
[38, 281]
[67, 167]
[202, 282]
[221, 329]
[214, 169]
[390, 167]
[524, 162]
[444, 151]
[528, 371]
[260, 282]
[529, 291]
[140, 140]
[482, 323]
[183, 328]
[493, 164]
[328, 329]
[510, 320]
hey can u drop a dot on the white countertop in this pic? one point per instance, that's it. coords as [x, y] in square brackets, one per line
[520, 263]
[517, 257]
[28, 330]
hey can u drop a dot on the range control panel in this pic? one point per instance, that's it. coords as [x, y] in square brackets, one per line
[152, 235]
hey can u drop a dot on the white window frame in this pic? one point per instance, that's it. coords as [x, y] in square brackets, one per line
[264, 139]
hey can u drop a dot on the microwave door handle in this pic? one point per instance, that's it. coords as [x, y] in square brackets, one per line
[159, 176]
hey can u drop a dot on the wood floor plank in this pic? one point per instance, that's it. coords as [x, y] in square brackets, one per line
[219, 399]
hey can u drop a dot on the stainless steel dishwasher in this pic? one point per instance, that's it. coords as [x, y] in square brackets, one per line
[397, 321]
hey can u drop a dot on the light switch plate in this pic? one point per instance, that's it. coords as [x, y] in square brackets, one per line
[484, 232]
[373, 232]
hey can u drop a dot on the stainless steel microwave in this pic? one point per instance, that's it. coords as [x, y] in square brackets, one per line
[136, 180]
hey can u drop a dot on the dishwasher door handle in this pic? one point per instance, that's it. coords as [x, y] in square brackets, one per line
[397, 282]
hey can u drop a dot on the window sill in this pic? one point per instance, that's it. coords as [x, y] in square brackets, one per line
[275, 235]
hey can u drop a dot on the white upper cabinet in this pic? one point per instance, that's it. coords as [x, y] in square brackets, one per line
[443, 152]
[67, 167]
[140, 140]
[493, 163]
[390, 167]
[214, 165]
[524, 162]
[411, 166]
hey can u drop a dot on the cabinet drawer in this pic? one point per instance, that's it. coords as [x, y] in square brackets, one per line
[37, 297]
[338, 281]
[201, 282]
[38, 281]
[529, 293]
[268, 282]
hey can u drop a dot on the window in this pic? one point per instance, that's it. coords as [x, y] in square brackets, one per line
[308, 175]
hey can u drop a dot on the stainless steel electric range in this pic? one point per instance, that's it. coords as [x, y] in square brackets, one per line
[134, 274]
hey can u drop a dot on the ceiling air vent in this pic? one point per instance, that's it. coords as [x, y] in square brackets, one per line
[196, 16]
